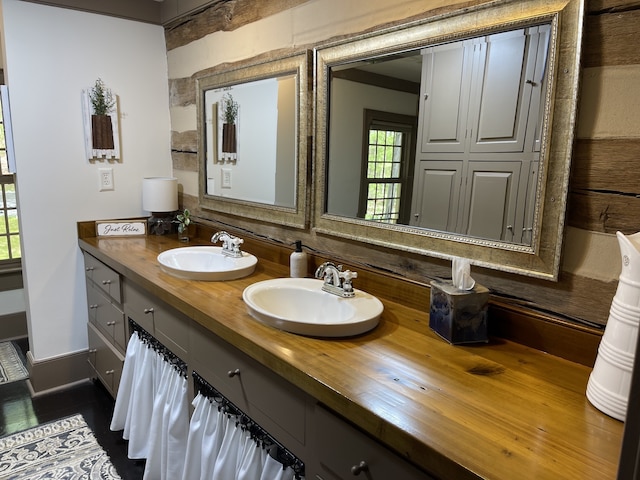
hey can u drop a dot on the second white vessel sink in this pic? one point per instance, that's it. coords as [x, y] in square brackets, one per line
[299, 305]
[206, 263]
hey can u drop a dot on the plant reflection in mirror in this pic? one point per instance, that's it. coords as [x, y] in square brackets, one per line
[230, 110]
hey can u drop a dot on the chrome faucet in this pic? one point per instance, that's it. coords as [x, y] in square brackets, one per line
[335, 280]
[230, 244]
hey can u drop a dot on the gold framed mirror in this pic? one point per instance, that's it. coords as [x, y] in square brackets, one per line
[253, 130]
[462, 145]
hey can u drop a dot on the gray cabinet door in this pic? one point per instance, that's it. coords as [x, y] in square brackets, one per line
[445, 85]
[490, 200]
[105, 360]
[501, 111]
[435, 204]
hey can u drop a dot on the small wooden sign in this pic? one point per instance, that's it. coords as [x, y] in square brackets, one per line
[121, 228]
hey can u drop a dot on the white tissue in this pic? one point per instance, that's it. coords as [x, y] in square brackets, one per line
[461, 274]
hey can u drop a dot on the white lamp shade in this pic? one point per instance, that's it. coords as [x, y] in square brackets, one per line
[160, 194]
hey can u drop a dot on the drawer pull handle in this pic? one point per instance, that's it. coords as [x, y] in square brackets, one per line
[89, 269]
[233, 373]
[110, 324]
[148, 310]
[109, 372]
[93, 307]
[106, 282]
[358, 469]
[93, 350]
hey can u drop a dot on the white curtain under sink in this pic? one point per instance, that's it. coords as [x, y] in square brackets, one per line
[152, 410]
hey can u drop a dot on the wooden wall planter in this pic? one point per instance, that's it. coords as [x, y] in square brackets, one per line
[229, 138]
[101, 132]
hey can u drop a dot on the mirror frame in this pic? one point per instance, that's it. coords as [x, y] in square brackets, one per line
[276, 64]
[542, 258]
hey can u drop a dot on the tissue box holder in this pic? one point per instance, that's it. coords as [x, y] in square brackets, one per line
[459, 316]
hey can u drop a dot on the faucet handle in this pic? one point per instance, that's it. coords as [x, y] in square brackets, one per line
[234, 244]
[346, 277]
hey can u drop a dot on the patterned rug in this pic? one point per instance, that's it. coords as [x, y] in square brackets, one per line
[63, 449]
[12, 366]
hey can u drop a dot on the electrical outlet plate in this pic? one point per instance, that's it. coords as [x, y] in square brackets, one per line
[105, 177]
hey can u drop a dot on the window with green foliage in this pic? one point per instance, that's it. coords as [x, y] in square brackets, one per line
[386, 170]
[9, 229]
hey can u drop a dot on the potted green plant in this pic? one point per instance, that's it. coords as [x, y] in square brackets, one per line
[229, 116]
[102, 103]
[184, 221]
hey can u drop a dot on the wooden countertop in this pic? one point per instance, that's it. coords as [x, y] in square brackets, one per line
[497, 411]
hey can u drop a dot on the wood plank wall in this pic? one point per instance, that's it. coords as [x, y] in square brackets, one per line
[604, 191]
[605, 181]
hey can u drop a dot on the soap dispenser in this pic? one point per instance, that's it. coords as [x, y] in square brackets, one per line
[298, 262]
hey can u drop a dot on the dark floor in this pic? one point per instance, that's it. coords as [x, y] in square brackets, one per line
[18, 411]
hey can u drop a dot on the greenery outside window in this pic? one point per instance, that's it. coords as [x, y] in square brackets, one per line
[10, 253]
[385, 192]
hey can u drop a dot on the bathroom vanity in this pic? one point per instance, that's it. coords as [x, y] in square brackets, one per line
[399, 398]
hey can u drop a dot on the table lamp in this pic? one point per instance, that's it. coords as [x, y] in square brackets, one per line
[160, 197]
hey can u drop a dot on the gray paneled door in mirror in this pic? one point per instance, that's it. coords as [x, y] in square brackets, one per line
[452, 136]
[253, 131]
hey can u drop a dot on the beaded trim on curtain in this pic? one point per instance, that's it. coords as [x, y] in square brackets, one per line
[152, 342]
[276, 450]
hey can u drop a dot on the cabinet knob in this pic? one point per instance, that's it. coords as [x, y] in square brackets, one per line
[111, 324]
[109, 372]
[359, 468]
[148, 310]
[106, 282]
[233, 373]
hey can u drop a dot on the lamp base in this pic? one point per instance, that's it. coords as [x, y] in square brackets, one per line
[161, 223]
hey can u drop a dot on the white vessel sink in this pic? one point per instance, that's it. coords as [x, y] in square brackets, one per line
[206, 263]
[299, 305]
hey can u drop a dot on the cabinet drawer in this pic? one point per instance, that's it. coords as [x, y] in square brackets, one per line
[274, 403]
[105, 360]
[342, 448]
[158, 318]
[138, 306]
[103, 276]
[106, 316]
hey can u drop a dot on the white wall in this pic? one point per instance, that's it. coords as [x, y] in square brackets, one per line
[348, 102]
[253, 177]
[51, 55]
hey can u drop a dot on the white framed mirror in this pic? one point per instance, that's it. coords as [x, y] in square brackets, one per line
[452, 136]
[253, 129]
